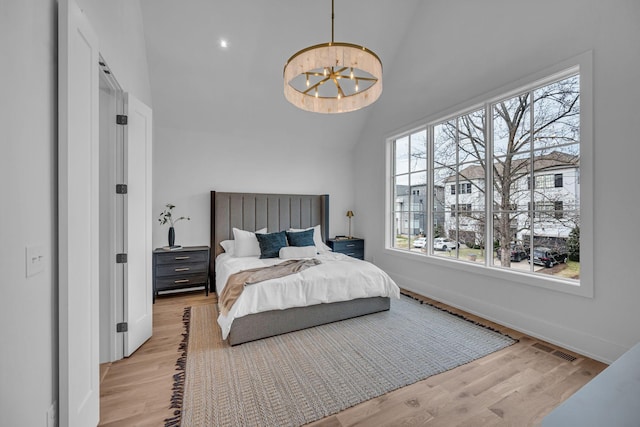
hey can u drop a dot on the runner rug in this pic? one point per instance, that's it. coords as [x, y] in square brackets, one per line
[303, 376]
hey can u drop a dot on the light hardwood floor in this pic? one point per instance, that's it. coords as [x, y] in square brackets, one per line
[516, 386]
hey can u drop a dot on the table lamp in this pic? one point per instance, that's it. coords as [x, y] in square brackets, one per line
[349, 215]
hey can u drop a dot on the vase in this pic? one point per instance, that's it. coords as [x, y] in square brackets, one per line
[172, 236]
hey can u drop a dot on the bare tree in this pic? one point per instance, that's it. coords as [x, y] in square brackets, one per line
[533, 132]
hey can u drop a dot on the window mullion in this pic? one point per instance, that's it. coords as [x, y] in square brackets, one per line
[457, 174]
[430, 196]
[488, 190]
[532, 191]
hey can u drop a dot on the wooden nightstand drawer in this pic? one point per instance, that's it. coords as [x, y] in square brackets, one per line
[180, 269]
[353, 247]
[356, 253]
[176, 282]
[348, 245]
[181, 257]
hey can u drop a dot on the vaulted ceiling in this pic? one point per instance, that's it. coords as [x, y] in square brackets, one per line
[198, 86]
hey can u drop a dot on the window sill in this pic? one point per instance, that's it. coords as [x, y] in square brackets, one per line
[583, 289]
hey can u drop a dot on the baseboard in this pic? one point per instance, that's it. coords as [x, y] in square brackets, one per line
[577, 341]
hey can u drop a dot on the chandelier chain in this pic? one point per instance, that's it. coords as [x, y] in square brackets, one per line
[332, 18]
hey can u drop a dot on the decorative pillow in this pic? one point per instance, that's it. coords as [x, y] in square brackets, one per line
[301, 238]
[271, 243]
[317, 237]
[298, 252]
[246, 243]
[228, 246]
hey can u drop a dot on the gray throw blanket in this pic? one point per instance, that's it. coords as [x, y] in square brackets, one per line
[237, 281]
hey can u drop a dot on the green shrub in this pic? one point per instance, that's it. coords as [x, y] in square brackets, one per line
[573, 244]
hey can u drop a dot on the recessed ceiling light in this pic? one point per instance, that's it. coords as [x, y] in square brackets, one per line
[224, 44]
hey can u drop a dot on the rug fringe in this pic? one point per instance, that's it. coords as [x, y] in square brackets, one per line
[179, 378]
[461, 317]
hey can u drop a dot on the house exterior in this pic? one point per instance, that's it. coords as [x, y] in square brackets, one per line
[410, 209]
[546, 202]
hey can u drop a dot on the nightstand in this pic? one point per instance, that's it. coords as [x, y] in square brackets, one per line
[183, 268]
[353, 247]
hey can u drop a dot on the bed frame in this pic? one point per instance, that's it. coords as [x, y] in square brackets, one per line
[252, 211]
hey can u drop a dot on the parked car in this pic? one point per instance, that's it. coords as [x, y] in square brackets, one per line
[547, 257]
[444, 243]
[518, 253]
[420, 242]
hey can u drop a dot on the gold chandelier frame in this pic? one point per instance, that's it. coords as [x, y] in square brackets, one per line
[328, 63]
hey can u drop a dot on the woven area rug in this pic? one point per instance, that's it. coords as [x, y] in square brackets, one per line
[300, 377]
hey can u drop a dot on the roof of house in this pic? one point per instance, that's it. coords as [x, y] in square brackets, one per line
[553, 160]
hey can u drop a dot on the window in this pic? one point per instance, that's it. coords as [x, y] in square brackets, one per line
[479, 167]
[546, 181]
[557, 180]
[461, 209]
[548, 209]
[410, 187]
[464, 188]
[557, 209]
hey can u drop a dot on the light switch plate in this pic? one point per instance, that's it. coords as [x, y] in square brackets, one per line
[34, 259]
[52, 415]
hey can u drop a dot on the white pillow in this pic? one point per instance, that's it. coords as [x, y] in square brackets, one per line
[289, 252]
[246, 243]
[228, 246]
[317, 237]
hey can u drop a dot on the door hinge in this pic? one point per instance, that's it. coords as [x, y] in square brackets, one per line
[122, 327]
[121, 258]
[121, 119]
[121, 189]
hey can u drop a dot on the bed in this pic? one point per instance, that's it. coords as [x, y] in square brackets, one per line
[276, 212]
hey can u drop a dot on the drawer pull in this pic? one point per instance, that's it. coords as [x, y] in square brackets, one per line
[351, 245]
[182, 269]
[181, 281]
[183, 257]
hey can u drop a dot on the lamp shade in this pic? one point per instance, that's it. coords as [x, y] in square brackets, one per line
[350, 214]
[333, 63]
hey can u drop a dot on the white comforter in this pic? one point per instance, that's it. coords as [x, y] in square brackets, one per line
[338, 278]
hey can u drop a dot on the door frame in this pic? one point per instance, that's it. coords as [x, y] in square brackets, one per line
[78, 218]
[111, 224]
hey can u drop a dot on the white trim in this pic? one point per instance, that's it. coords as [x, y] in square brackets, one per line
[581, 64]
[585, 344]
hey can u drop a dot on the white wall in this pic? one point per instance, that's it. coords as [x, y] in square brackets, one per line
[118, 24]
[28, 306]
[456, 51]
[188, 165]
[28, 172]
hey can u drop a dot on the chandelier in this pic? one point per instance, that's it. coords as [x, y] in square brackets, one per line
[333, 77]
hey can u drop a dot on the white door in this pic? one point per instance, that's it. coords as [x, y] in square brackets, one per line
[138, 221]
[78, 207]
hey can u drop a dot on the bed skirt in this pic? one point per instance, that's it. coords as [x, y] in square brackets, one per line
[269, 323]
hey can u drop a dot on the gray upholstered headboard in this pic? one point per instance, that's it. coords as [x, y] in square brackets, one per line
[252, 211]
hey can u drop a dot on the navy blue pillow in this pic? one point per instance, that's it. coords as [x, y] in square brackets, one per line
[271, 243]
[301, 238]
